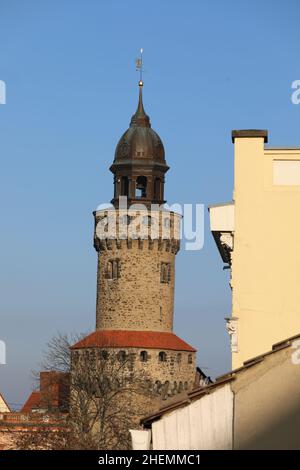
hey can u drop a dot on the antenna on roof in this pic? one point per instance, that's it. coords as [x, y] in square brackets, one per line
[139, 66]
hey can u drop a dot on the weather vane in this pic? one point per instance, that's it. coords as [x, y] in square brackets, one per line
[139, 66]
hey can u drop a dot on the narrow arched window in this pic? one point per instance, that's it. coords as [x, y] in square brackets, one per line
[157, 386]
[190, 359]
[104, 354]
[109, 270]
[179, 357]
[162, 356]
[92, 355]
[165, 272]
[144, 356]
[141, 187]
[113, 269]
[121, 356]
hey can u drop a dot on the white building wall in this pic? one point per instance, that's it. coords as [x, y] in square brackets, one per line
[3, 406]
[206, 423]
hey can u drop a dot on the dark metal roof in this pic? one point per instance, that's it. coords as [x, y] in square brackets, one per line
[140, 144]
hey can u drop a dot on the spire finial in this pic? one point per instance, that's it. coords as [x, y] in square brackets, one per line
[140, 118]
[139, 66]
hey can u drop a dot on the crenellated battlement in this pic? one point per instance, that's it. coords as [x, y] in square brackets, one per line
[137, 224]
[109, 244]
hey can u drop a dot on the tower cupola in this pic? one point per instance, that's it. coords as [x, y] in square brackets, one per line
[139, 165]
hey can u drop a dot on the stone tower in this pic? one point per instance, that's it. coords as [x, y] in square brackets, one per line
[136, 246]
[136, 276]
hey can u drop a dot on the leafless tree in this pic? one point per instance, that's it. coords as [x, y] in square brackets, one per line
[108, 396]
[57, 354]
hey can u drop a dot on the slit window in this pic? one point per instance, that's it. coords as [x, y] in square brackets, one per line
[165, 273]
[122, 356]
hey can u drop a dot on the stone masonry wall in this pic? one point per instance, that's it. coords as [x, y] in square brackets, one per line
[137, 299]
[169, 377]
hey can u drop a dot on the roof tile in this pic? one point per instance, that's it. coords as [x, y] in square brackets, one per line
[33, 401]
[133, 339]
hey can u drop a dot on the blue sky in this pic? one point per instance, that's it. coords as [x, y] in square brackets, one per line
[71, 90]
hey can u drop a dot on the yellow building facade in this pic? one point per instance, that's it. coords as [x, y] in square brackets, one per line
[258, 236]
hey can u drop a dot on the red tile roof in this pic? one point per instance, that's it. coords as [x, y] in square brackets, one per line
[133, 339]
[33, 401]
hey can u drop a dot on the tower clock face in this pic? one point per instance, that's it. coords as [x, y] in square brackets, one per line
[124, 149]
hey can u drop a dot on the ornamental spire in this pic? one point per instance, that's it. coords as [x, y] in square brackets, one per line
[139, 66]
[140, 118]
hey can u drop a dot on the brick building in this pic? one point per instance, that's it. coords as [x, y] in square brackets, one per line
[44, 413]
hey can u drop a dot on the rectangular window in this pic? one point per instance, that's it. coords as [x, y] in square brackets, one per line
[286, 172]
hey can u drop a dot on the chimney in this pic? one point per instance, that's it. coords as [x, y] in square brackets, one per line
[54, 390]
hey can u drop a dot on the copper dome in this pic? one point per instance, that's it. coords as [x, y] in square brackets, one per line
[140, 144]
[139, 165]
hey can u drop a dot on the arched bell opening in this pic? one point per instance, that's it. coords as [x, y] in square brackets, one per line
[141, 187]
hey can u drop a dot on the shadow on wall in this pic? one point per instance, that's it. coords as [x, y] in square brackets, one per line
[282, 433]
[267, 402]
